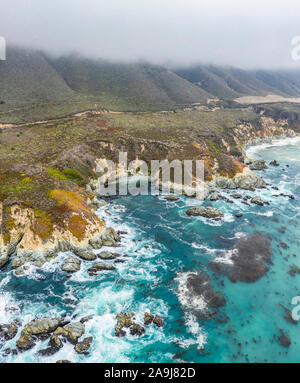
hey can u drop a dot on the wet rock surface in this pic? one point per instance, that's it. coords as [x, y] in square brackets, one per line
[108, 255]
[8, 331]
[258, 165]
[71, 264]
[171, 197]
[257, 201]
[207, 212]
[85, 255]
[274, 163]
[251, 259]
[100, 267]
[84, 346]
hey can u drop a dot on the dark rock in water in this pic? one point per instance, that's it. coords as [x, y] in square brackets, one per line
[198, 285]
[294, 270]
[289, 315]
[284, 245]
[171, 197]
[158, 321]
[250, 261]
[63, 361]
[100, 267]
[258, 165]
[239, 215]
[84, 346]
[274, 163]
[236, 196]
[148, 318]
[284, 339]
[136, 329]
[275, 188]
[207, 212]
[9, 331]
[257, 201]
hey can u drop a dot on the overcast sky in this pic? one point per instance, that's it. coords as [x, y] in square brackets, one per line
[243, 33]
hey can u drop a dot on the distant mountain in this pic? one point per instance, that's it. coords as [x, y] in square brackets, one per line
[138, 84]
[30, 77]
[230, 83]
[59, 86]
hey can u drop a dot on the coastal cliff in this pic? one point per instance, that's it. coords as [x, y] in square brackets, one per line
[48, 177]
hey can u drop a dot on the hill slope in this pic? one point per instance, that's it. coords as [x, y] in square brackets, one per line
[27, 78]
[140, 85]
[229, 83]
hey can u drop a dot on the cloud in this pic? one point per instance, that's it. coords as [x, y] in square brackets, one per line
[176, 32]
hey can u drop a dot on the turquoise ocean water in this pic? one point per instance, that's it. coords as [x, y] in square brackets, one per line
[163, 246]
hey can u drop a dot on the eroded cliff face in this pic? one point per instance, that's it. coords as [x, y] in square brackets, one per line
[36, 236]
[267, 128]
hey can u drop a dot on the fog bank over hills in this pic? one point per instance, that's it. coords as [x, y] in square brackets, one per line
[245, 34]
[77, 83]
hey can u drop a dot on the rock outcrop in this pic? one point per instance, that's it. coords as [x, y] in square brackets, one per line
[207, 212]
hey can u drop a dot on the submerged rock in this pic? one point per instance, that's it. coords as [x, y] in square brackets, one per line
[251, 259]
[71, 264]
[284, 340]
[199, 295]
[294, 270]
[207, 212]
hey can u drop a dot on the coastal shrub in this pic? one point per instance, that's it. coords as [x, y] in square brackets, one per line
[66, 175]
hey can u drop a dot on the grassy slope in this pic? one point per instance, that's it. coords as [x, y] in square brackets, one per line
[27, 78]
[140, 85]
[231, 83]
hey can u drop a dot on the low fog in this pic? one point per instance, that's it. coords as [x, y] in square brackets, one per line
[246, 34]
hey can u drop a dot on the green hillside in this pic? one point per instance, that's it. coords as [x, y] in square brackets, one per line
[27, 78]
[139, 85]
[229, 83]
